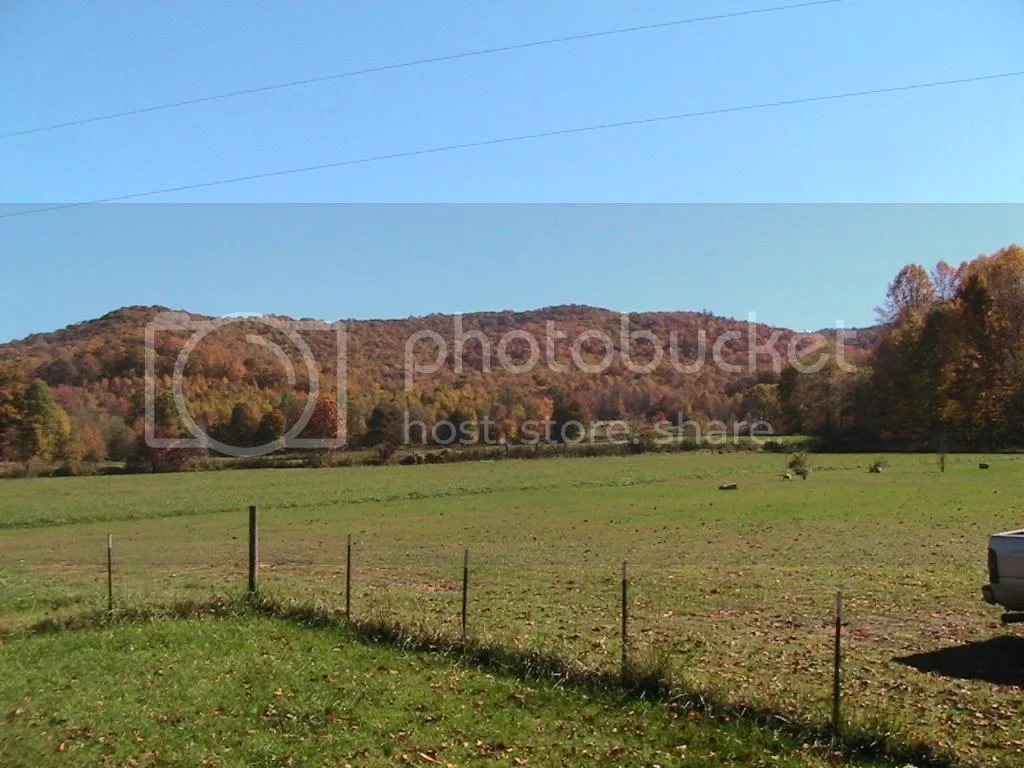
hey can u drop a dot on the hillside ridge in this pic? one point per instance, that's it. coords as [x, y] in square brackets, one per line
[136, 312]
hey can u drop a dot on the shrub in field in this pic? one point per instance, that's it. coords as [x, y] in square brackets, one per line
[277, 462]
[644, 442]
[386, 451]
[689, 444]
[876, 466]
[200, 464]
[799, 464]
[649, 671]
[11, 470]
[318, 459]
[438, 457]
[152, 459]
[604, 449]
[746, 445]
[75, 468]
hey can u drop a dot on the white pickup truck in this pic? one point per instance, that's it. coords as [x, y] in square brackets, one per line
[1005, 571]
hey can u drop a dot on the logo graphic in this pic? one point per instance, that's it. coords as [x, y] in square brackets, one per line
[295, 332]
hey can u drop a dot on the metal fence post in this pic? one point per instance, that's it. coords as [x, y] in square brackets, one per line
[110, 573]
[348, 578]
[836, 661]
[625, 622]
[254, 548]
[465, 590]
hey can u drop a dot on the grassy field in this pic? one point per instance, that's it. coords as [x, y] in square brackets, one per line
[734, 588]
[279, 694]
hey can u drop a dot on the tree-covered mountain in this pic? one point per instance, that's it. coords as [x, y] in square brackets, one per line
[510, 367]
[944, 369]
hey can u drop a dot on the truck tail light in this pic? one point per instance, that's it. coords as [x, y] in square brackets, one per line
[993, 567]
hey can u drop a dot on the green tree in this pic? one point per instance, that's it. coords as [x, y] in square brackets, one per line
[271, 428]
[569, 419]
[45, 429]
[12, 393]
[464, 423]
[120, 440]
[384, 425]
[241, 428]
[761, 403]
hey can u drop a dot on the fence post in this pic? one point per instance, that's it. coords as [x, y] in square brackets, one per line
[836, 660]
[465, 590]
[348, 578]
[254, 548]
[110, 573]
[625, 619]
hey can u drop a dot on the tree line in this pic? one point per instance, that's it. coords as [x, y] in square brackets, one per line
[941, 371]
[945, 373]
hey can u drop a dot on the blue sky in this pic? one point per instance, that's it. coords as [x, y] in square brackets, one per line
[803, 266]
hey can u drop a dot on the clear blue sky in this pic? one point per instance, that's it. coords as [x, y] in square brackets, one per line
[802, 266]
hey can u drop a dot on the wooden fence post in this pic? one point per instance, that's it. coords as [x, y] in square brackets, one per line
[254, 548]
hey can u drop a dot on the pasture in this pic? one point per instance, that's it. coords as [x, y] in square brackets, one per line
[279, 694]
[735, 589]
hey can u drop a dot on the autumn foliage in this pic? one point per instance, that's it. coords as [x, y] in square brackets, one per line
[945, 372]
[944, 364]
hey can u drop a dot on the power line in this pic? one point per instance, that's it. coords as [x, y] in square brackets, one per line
[523, 137]
[413, 63]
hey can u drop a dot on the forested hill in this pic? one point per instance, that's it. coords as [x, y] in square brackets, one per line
[95, 370]
[944, 370]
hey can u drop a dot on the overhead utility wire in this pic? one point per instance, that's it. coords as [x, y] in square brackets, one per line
[412, 63]
[521, 137]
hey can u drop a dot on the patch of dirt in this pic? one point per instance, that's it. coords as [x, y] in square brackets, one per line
[65, 568]
[440, 586]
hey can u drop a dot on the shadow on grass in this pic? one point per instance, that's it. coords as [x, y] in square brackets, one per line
[999, 660]
[875, 742]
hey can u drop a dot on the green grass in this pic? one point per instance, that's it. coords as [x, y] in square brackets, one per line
[247, 691]
[736, 587]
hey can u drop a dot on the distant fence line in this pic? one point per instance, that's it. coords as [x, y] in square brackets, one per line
[625, 661]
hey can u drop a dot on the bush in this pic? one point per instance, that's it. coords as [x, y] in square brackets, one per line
[201, 464]
[327, 459]
[646, 441]
[138, 465]
[648, 671]
[266, 462]
[75, 469]
[689, 444]
[800, 464]
[878, 465]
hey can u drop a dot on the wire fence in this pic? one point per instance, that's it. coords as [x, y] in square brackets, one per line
[755, 633]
